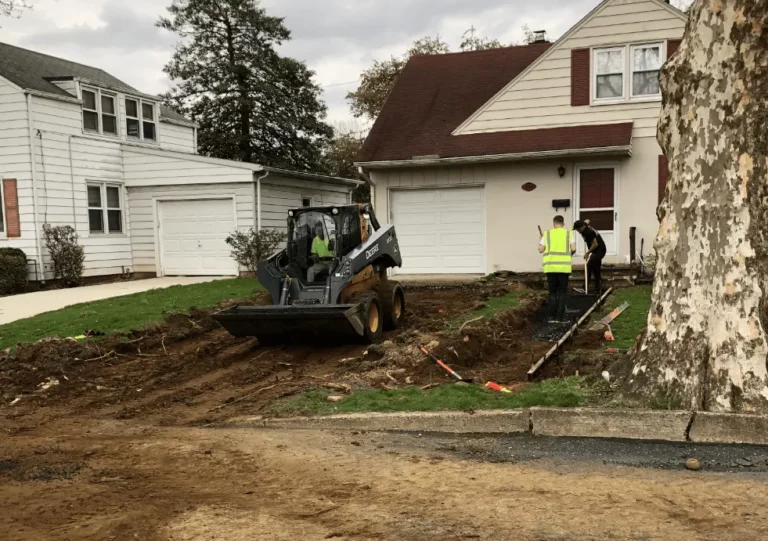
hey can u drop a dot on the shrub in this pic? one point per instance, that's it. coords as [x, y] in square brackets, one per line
[248, 249]
[13, 271]
[66, 254]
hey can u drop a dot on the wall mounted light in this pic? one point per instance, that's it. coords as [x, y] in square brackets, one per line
[561, 171]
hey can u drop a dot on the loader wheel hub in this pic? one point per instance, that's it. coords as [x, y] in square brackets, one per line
[373, 317]
[397, 309]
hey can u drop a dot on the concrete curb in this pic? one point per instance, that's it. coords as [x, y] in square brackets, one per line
[453, 422]
[650, 425]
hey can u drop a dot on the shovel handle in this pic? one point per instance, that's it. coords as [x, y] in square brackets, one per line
[440, 363]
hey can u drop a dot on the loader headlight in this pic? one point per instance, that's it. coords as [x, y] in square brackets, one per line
[290, 213]
[367, 216]
[335, 211]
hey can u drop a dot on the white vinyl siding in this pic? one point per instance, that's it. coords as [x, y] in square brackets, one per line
[178, 138]
[541, 97]
[15, 163]
[280, 194]
[143, 201]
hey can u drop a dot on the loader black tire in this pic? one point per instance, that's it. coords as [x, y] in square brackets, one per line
[392, 297]
[373, 316]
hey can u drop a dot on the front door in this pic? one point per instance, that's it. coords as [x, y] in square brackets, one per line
[597, 203]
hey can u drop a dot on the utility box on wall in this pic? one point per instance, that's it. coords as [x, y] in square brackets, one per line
[558, 204]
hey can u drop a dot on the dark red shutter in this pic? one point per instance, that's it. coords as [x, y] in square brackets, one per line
[672, 46]
[580, 77]
[663, 177]
[11, 203]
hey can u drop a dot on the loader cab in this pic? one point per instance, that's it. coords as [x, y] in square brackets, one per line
[339, 228]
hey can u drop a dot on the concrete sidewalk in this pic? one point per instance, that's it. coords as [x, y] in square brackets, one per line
[27, 305]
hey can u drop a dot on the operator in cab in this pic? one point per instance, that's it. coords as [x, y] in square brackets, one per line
[321, 247]
[558, 246]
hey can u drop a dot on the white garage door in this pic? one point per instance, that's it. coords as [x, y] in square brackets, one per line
[193, 237]
[440, 230]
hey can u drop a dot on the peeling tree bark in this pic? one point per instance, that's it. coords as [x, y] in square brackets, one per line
[706, 346]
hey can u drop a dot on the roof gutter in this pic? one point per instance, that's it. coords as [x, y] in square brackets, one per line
[314, 176]
[620, 150]
[183, 123]
[258, 199]
[51, 96]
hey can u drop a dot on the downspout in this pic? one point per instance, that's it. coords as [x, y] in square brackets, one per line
[258, 199]
[72, 178]
[34, 186]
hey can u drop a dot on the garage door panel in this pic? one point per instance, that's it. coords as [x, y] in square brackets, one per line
[440, 230]
[193, 237]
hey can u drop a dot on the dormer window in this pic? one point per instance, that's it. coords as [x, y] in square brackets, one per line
[99, 112]
[140, 119]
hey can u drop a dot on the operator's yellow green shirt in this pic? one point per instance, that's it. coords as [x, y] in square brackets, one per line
[320, 248]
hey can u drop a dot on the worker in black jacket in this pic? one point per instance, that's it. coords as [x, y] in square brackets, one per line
[595, 252]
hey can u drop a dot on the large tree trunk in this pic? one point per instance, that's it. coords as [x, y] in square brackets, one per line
[705, 347]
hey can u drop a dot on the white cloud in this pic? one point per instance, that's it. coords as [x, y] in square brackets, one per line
[337, 38]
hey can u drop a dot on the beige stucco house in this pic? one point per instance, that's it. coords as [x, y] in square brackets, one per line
[473, 150]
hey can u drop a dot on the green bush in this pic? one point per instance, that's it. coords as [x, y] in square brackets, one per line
[67, 255]
[253, 247]
[13, 271]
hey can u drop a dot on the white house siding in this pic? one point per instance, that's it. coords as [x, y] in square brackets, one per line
[541, 96]
[178, 138]
[62, 178]
[279, 194]
[15, 163]
[512, 214]
[143, 201]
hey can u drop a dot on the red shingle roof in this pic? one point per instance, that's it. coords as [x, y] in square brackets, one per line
[435, 94]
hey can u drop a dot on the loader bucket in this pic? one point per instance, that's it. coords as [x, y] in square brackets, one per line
[291, 324]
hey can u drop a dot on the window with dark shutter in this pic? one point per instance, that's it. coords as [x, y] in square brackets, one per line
[663, 177]
[580, 77]
[10, 204]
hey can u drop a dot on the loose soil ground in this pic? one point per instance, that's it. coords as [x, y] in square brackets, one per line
[100, 438]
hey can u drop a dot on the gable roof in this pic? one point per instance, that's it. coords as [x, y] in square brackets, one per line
[555, 46]
[434, 94]
[34, 71]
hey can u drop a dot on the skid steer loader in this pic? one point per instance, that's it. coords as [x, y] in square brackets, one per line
[330, 281]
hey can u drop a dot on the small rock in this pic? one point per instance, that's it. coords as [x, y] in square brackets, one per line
[375, 349]
[387, 345]
[606, 376]
[356, 443]
[466, 339]
[693, 464]
[433, 345]
[409, 380]
[16, 401]
[207, 452]
[335, 398]
[744, 462]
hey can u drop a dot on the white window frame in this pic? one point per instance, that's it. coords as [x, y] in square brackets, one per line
[662, 54]
[140, 111]
[99, 113]
[105, 208]
[594, 74]
[3, 213]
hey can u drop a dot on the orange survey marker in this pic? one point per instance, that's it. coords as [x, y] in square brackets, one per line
[496, 387]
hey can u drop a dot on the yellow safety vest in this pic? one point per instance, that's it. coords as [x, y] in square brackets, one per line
[557, 253]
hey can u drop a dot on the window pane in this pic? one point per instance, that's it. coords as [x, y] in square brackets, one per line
[108, 105]
[96, 220]
[94, 196]
[149, 131]
[132, 108]
[609, 62]
[610, 86]
[91, 121]
[600, 220]
[645, 84]
[133, 127]
[646, 58]
[89, 100]
[115, 219]
[148, 110]
[109, 123]
[113, 197]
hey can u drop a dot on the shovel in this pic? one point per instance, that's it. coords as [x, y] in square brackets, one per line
[444, 366]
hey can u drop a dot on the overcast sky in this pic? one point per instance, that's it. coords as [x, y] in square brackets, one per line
[336, 38]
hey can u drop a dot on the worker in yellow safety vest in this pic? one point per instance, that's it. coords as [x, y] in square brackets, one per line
[558, 246]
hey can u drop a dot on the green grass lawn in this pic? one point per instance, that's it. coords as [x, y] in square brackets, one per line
[494, 305]
[122, 314]
[634, 319]
[568, 392]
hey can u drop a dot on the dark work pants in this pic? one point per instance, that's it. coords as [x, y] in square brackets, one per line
[594, 268]
[558, 291]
